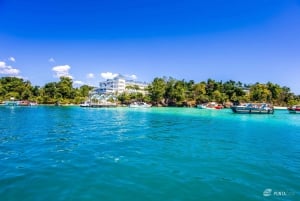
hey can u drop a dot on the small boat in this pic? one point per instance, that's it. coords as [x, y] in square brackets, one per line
[11, 103]
[85, 104]
[139, 105]
[33, 103]
[27, 103]
[294, 109]
[253, 108]
[202, 106]
[101, 105]
[210, 105]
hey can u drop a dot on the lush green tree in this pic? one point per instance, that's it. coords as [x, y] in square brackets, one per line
[178, 93]
[124, 98]
[233, 90]
[260, 93]
[3, 92]
[84, 90]
[26, 94]
[199, 91]
[65, 88]
[161, 91]
[157, 90]
[190, 95]
[219, 97]
[286, 96]
[50, 89]
[275, 90]
[211, 86]
[16, 88]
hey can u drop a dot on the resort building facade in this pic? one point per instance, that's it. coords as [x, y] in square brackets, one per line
[120, 85]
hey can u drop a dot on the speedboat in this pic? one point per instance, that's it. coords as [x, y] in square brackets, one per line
[253, 108]
[210, 105]
[294, 109]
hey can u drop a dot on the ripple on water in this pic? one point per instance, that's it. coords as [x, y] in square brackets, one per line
[71, 153]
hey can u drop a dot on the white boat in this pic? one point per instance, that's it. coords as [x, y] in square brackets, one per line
[11, 103]
[253, 108]
[139, 105]
[202, 106]
[85, 104]
[210, 105]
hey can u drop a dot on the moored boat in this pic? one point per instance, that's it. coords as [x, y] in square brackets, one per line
[139, 105]
[253, 108]
[210, 105]
[85, 104]
[106, 104]
[11, 103]
[27, 103]
[19, 103]
[294, 109]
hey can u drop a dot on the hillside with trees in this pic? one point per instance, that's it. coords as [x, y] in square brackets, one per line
[165, 91]
[172, 92]
[51, 93]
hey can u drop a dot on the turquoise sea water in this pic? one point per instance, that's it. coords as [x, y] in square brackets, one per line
[73, 153]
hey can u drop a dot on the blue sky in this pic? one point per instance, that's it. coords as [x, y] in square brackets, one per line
[248, 41]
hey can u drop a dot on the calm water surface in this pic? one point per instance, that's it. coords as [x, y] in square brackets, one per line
[72, 153]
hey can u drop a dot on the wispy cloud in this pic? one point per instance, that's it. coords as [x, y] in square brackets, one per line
[62, 71]
[78, 82]
[133, 77]
[90, 76]
[51, 60]
[12, 59]
[109, 75]
[8, 70]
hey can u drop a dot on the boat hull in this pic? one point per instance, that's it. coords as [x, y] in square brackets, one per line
[211, 105]
[139, 105]
[103, 105]
[240, 110]
[294, 110]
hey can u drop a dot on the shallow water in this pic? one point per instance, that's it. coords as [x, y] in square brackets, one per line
[73, 153]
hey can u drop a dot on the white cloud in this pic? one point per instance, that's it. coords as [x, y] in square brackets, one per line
[51, 60]
[90, 76]
[2, 64]
[62, 71]
[12, 59]
[78, 82]
[134, 77]
[8, 70]
[109, 75]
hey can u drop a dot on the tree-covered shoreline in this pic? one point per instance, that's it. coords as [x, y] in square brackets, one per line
[165, 91]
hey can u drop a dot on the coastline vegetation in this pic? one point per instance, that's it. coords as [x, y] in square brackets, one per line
[165, 91]
[51, 93]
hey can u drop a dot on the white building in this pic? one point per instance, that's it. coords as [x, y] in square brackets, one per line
[115, 85]
[119, 85]
[132, 86]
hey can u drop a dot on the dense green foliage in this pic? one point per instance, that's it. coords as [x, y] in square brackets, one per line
[169, 91]
[53, 92]
[162, 91]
